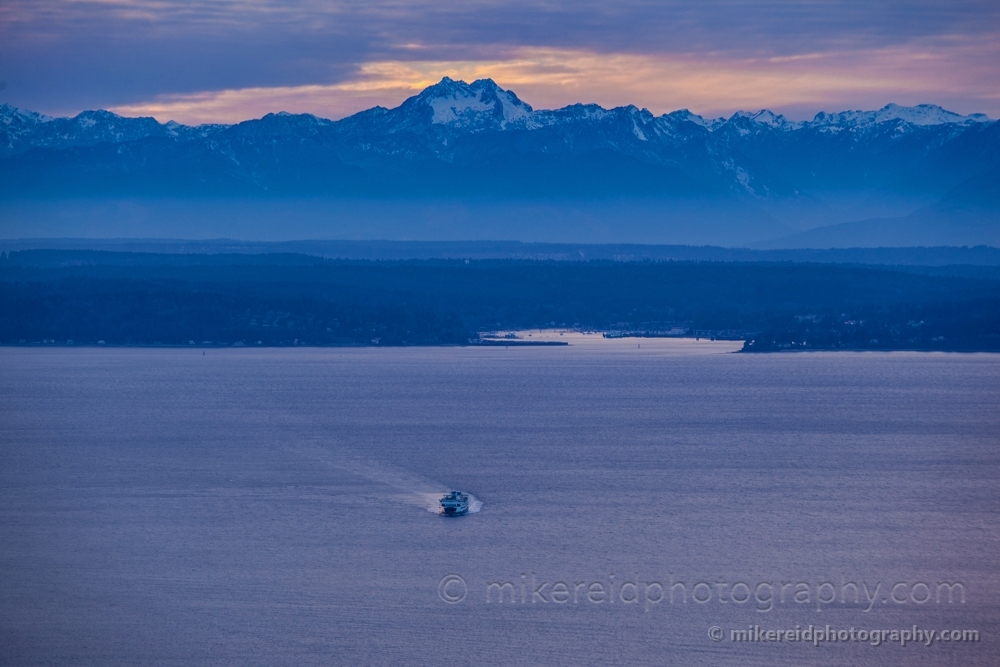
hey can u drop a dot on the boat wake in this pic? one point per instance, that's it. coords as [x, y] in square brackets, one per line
[409, 489]
[432, 501]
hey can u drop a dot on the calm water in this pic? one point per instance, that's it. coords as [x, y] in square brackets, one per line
[270, 507]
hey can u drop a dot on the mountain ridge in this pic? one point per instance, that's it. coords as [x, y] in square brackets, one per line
[460, 140]
[477, 106]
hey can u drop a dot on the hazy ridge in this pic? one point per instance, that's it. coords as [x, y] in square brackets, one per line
[472, 161]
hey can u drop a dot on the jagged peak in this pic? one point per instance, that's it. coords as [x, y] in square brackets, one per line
[644, 114]
[768, 118]
[9, 112]
[587, 108]
[685, 115]
[477, 105]
[100, 113]
[448, 86]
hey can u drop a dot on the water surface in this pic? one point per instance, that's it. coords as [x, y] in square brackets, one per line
[270, 506]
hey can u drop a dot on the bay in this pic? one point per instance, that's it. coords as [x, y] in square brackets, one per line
[272, 506]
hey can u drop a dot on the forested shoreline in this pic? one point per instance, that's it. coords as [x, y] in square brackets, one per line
[117, 298]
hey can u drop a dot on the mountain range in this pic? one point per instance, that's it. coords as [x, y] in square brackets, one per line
[472, 160]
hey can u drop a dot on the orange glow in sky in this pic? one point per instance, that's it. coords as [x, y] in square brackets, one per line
[551, 78]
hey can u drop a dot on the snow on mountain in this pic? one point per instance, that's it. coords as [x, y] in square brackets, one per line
[464, 107]
[685, 115]
[12, 115]
[452, 131]
[18, 127]
[768, 118]
[22, 130]
[479, 105]
[921, 115]
[573, 113]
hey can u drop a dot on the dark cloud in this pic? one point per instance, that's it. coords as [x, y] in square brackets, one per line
[59, 56]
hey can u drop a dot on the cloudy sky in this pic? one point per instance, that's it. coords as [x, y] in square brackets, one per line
[229, 60]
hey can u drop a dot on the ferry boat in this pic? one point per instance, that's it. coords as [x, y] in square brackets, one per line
[455, 503]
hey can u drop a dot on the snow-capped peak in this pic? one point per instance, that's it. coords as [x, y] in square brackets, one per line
[768, 118]
[477, 105]
[92, 118]
[686, 115]
[10, 114]
[922, 114]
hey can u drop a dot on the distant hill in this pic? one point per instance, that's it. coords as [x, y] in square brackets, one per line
[610, 175]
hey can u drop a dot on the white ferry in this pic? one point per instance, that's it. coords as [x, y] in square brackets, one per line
[455, 503]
